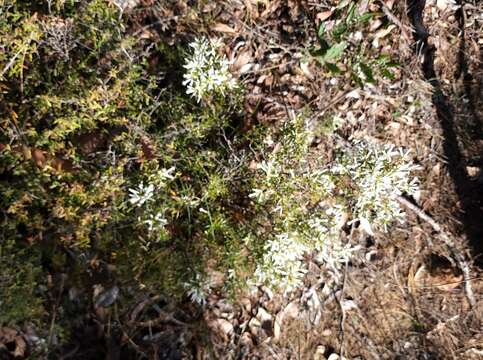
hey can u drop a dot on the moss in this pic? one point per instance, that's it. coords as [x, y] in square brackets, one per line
[21, 285]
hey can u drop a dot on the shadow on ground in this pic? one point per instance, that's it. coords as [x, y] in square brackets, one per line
[459, 154]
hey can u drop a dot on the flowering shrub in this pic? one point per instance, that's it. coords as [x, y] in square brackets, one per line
[207, 72]
[309, 201]
[115, 125]
[282, 262]
[378, 175]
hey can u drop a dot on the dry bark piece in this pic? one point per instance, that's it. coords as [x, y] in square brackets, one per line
[9, 336]
[442, 279]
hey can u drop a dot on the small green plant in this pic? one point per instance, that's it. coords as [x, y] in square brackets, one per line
[21, 285]
[364, 64]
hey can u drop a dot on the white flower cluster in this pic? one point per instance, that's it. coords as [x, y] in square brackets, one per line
[156, 222]
[362, 185]
[143, 197]
[282, 265]
[207, 72]
[379, 173]
[198, 289]
[329, 246]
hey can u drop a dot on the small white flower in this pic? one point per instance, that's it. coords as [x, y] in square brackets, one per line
[198, 289]
[268, 167]
[141, 195]
[167, 173]
[159, 179]
[156, 222]
[260, 195]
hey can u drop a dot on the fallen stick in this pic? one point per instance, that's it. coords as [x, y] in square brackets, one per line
[460, 259]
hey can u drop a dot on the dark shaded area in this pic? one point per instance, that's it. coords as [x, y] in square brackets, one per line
[468, 190]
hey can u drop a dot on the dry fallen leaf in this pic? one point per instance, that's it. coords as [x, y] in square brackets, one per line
[38, 157]
[241, 60]
[472, 170]
[224, 326]
[291, 311]
[320, 353]
[304, 66]
[324, 15]
[12, 337]
[220, 27]
[384, 32]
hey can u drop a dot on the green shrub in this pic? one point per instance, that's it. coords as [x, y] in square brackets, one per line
[141, 168]
[20, 279]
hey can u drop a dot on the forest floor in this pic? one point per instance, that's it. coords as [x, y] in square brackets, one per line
[411, 75]
[417, 291]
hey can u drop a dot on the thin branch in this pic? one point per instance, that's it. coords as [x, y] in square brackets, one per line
[10, 63]
[460, 259]
[395, 20]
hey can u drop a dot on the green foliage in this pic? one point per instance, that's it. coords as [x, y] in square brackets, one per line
[20, 280]
[112, 161]
[363, 64]
[89, 125]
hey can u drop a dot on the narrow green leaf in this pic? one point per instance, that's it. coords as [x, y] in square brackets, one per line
[366, 17]
[339, 30]
[333, 68]
[318, 52]
[388, 74]
[321, 31]
[351, 13]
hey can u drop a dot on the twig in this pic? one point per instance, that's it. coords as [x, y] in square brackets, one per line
[56, 307]
[420, 213]
[10, 63]
[343, 317]
[449, 283]
[395, 20]
[163, 317]
[462, 263]
[70, 353]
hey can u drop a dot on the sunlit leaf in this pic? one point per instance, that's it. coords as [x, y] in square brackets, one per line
[335, 52]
